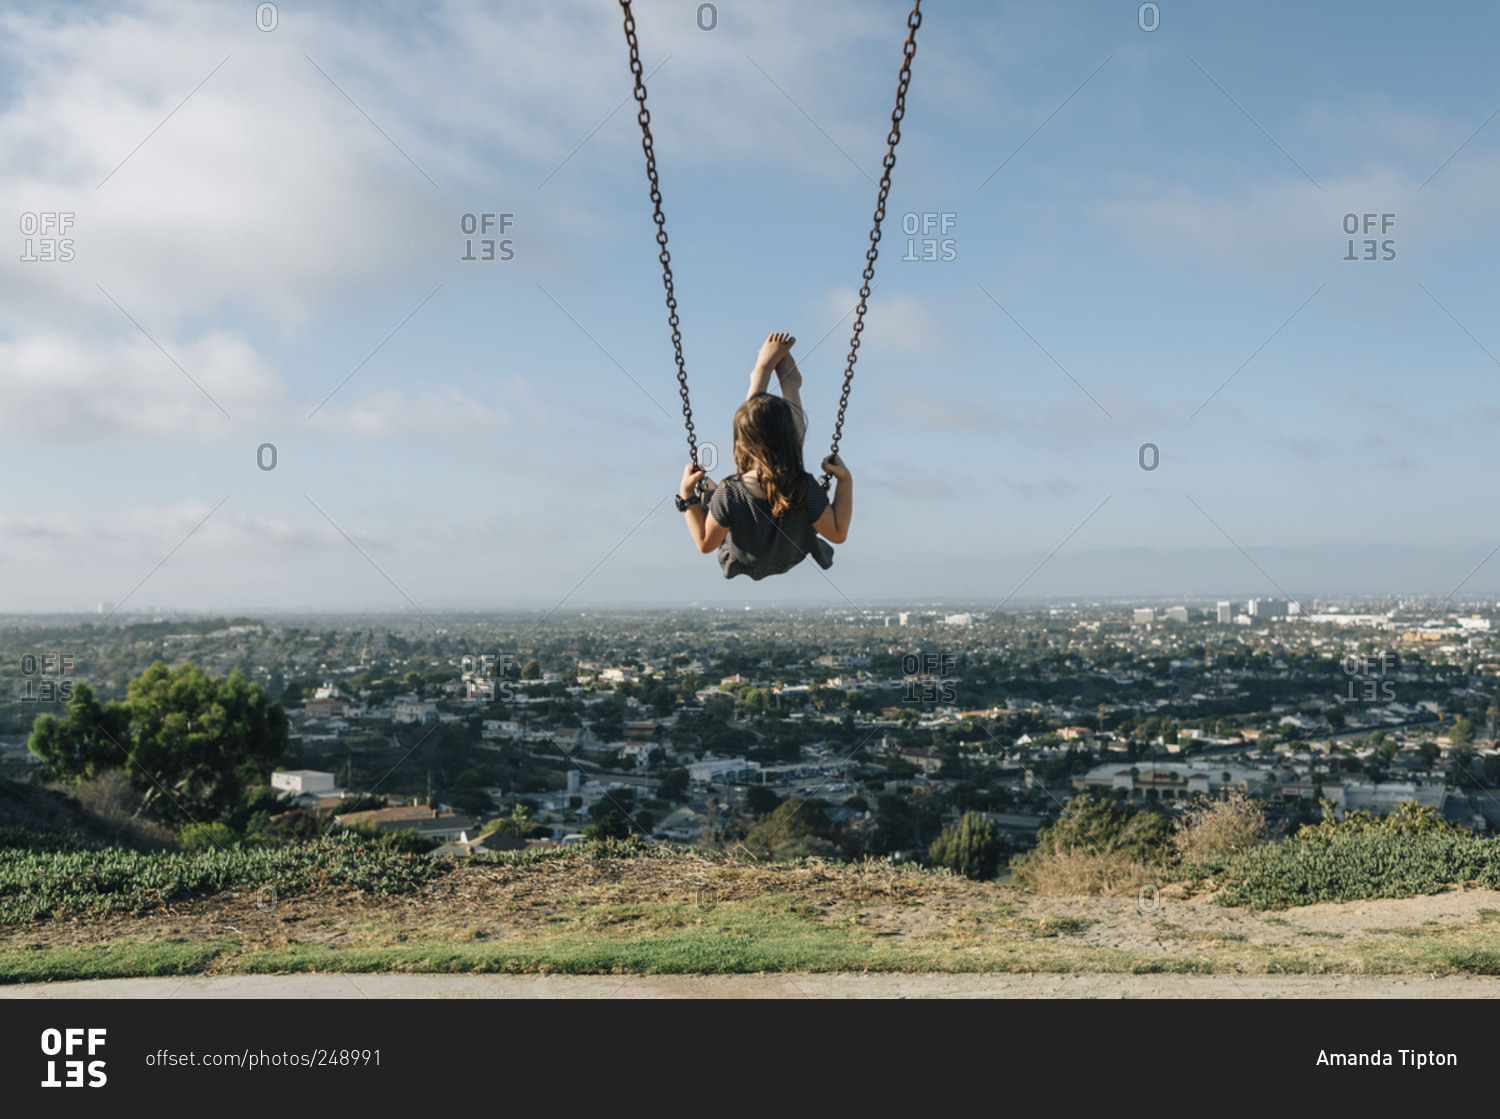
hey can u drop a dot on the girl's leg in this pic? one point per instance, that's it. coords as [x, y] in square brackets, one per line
[790, 378]
[771, 352]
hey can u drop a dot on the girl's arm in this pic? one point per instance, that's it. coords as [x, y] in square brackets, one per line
[706, 532]
[833, 525]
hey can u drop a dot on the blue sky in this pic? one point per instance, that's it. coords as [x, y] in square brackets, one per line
[256, 212]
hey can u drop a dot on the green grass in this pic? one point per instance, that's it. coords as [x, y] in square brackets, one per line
[763, 935]
[855, 918]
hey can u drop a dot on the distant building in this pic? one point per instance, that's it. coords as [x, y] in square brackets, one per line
[735, 771]
[573, 738]
[1143, 615]
[928, 761]
[1386, 796]
[1262, 608]
[683, 823]
[303, 782]
[1166, 780]
[959, 619]
[1177, 614]
[415, 711]
[1226, 613]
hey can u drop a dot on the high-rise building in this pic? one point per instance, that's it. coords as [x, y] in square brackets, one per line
[1226, 613]
[1177, 613]
[1266, 608]
[1143, 615]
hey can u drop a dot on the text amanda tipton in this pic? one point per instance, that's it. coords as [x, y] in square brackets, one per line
[1410, 1058]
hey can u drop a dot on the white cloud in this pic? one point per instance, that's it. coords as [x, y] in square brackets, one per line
[67, 390]
[441, 417]
[899, 322]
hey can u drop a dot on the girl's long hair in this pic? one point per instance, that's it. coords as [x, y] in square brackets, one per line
[765, 438]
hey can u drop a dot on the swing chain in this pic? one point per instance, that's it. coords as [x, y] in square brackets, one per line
[913, 21]
[649, 145]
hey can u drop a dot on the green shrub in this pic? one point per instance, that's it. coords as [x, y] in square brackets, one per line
[207, 837]
[972, 848]
[36, 884]
[1410, 852]
[1097, 846]
[1100, 825]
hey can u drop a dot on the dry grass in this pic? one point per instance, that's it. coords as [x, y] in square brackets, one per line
[1081, 872]
[108, 796]
[1219, 827]
[1210, 829]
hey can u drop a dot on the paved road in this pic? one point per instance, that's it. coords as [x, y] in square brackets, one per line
[764, 986]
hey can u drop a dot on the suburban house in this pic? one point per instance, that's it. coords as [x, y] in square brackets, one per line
[410, 709]
[304, 788]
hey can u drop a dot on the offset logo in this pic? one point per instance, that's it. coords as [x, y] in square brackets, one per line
[67, 1043]
[928, 677]
[488, 223]
[50, 666]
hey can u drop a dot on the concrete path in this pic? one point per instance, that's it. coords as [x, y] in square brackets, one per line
[324, 986]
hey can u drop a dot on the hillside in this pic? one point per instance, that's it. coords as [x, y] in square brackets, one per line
[632, 908]
[47, 812]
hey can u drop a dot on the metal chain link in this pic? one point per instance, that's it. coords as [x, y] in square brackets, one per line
[913, 21]
[909, 50]
[644, 116]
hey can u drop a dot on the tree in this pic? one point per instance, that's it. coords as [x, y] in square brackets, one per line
[1462, 732]
[1430, 752]
[1464, 759]
[795, 827]
[609, 816]
[608, 824]
[89, 740]
[904, 822]
[1102, 825]
[192, 744]
[674, 783]
[760, 800]
[719, 708]
[972, 848]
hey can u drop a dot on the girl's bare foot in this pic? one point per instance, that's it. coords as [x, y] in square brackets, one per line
[773, 350]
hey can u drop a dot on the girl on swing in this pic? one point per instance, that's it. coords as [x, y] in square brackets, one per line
[764, 519]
